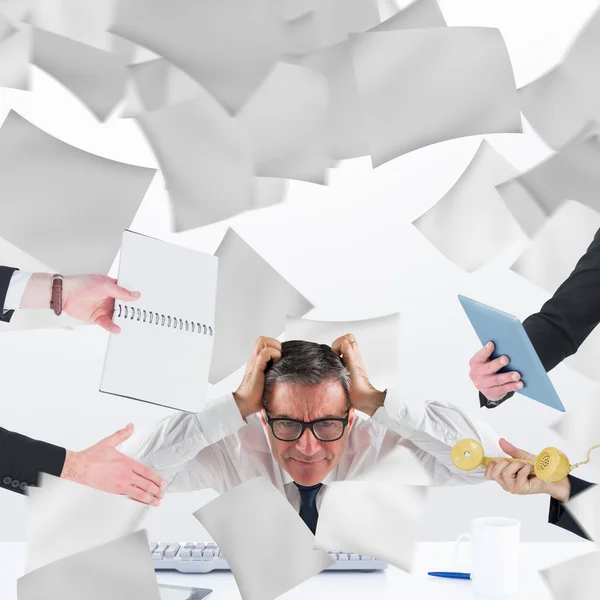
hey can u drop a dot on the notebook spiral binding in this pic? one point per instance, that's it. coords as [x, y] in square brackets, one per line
[155, 318]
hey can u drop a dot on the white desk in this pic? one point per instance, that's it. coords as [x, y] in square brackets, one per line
[390, 584]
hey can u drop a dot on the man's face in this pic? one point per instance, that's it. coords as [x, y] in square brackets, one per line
[307, 459]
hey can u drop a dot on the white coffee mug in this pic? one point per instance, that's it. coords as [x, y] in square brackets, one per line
[494, 555]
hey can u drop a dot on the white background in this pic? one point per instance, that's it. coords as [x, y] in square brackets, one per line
[351, 249]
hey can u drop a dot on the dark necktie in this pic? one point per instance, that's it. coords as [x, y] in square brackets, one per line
[308, 504]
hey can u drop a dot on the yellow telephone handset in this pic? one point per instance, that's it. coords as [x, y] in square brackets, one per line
[550, 464]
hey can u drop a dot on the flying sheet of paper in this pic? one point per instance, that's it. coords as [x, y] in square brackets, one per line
[553, 108]
[6, 27]
[96, 574]
[387, 8]
[571, 174]
[344, 124]
[302, 35]
[461, 83]
[85, 21]
[523, 206]
[252, 300]
[285, 121]
[561, 242]
[417, 15]
[378, 519]
[228, 46]
[16, 10]
[585, 507]
[574, 579]
[329, 24]
[31, 318]
[268, 191]
[378, 340]
[294, 9]
[256, 510]
[56, 197]
[65, 518]
[205, 157]
[95, 76]
[158, 84]
[15, 54]
[581, 67]
[470, 224]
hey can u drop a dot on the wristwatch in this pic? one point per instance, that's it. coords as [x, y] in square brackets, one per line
[56, 300]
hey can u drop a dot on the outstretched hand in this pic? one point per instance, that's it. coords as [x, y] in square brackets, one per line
[89, 298]
[92, 298]
[103, 467]
[519, 477]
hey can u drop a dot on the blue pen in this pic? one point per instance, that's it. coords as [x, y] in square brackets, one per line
[449, 575]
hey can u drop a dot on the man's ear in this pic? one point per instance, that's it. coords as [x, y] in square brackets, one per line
[350, 418]
[263, 417]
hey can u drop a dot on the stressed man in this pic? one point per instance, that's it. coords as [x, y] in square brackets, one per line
[295, 419]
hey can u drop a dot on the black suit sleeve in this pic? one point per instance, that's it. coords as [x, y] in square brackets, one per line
[561, 516]
[566, 320]
[22, 458]
[5, 275]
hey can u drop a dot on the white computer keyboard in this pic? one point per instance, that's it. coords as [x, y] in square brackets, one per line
[202, 557]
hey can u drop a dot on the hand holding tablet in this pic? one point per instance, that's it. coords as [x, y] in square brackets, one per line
[510, 339]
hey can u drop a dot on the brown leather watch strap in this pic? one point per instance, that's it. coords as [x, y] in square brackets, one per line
[56, 300]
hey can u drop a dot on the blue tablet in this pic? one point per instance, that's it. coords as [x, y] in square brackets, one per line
[510, 339]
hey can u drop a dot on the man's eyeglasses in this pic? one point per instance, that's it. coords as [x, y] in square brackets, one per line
[325, 430]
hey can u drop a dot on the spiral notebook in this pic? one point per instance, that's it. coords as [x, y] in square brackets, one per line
[163, 352]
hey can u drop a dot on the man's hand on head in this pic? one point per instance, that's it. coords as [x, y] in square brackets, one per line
[249, 394]
[363, 395]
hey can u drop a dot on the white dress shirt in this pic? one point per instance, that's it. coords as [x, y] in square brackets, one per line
[215, 448]
[16, 289]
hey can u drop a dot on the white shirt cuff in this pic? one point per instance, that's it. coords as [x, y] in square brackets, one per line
[395, 414]
[16, 289]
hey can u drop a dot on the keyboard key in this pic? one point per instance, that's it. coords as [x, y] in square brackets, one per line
[172, 550]
[354, 557]
[161, 549]
[197, 554]
[153, 546]
[334, 555]
[199, 545]
[185, 554]
[343, 556]
[211, 545]
[190, 545]
[365, 557]
[208, 554]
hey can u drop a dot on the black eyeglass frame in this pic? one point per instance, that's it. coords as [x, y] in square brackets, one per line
[307, 425]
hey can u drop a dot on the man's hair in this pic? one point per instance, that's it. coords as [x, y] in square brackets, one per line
[306, 363]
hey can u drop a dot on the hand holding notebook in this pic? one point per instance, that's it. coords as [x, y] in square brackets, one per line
[163, 352]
